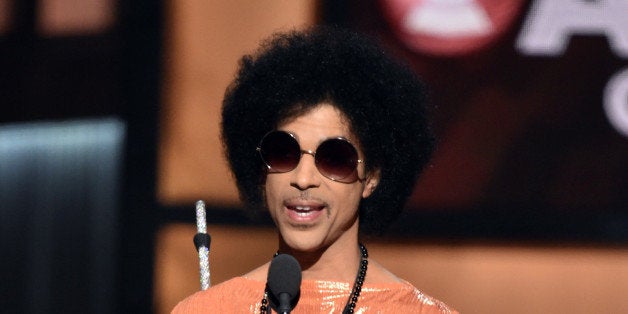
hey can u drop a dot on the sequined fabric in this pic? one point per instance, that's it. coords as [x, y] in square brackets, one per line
[243, 295]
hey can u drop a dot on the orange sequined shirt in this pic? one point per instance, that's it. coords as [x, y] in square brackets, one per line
[243, 295]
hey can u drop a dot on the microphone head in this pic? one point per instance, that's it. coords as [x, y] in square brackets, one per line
[284, 283]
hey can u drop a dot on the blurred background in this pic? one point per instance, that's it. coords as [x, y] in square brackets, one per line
[109, 123]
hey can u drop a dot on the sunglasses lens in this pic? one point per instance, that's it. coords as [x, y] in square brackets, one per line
[280, 151]
[337, 159]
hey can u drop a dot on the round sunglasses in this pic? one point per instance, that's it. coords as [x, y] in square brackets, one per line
[335, 158]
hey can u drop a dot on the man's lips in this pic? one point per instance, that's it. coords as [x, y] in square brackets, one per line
[305, 208]
[302, 211]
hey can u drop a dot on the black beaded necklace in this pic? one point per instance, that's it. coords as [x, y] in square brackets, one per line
[355, 291]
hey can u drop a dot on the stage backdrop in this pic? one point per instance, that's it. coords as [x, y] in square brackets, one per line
[530, 107]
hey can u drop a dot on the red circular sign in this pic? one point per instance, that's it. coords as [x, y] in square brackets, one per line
[450, 27]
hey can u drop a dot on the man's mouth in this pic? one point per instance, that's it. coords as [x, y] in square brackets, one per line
[304, 211]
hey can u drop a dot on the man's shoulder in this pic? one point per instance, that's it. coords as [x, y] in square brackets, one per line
[402, 297]
[428, 303]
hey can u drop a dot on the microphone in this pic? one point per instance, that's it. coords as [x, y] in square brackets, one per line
[284, 283]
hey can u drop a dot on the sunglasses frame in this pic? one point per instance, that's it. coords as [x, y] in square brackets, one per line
[353, 174]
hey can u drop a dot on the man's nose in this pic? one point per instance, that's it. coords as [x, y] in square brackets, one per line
[306, 175]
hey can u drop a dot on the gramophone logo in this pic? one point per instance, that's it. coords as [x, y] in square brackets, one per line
[450, 27]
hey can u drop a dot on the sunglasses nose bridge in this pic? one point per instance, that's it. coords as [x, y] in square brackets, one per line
[308, 152]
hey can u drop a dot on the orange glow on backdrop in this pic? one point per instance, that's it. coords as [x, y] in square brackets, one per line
[6, 9]
[204, 40]
[75, 17]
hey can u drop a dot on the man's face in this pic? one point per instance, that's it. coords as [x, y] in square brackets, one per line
[310, 210]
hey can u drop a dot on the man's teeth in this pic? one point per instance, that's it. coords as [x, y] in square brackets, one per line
[303, 214]
[304, 210]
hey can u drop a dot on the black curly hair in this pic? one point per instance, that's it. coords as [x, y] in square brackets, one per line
[294, 72]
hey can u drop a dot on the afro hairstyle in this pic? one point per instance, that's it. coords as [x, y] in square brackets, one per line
[382, 99]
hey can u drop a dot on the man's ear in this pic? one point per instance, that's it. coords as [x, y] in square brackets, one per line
[371, 181]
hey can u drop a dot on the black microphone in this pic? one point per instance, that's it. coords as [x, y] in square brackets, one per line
[284, 283]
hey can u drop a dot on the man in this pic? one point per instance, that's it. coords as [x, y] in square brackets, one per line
[328, 134]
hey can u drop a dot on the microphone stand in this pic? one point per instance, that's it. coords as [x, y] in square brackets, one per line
[202, 241]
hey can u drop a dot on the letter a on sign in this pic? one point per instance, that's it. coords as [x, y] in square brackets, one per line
[550, 24]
